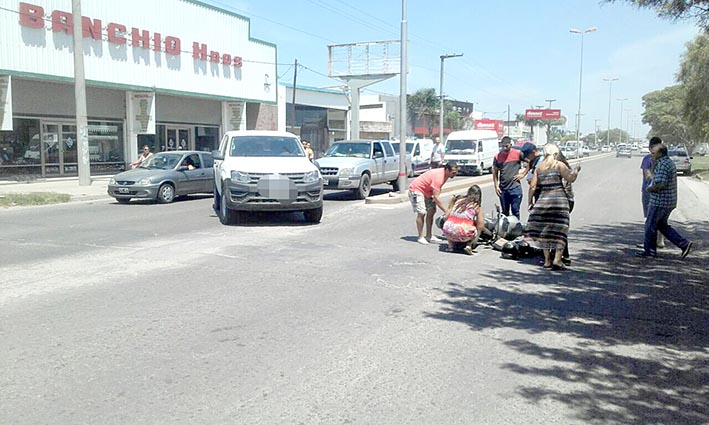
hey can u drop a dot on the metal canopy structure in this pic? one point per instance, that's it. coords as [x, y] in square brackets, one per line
[360, 65]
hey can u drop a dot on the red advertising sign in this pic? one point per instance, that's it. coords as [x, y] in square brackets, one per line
[542, 114]
[486, 124]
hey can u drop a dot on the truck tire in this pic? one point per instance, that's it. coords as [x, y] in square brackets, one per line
[226, 216]
[313, 216]
[365, 186]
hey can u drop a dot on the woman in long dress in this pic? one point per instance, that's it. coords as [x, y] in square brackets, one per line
[548, 224]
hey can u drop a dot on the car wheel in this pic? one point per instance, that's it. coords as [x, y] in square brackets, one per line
[365, 186]
[226, 215]
[480, 170]
[313, 216]
[166, 193]
[123, 200]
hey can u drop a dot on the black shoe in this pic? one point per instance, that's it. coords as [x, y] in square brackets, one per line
[566, 261]
[643, 254]
[686, 249]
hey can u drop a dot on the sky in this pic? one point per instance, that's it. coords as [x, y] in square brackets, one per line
[515, 52]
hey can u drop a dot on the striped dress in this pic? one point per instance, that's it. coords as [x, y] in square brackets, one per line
[548, 223]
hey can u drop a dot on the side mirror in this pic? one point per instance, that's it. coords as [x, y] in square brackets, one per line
[691, 157]
[217, 155]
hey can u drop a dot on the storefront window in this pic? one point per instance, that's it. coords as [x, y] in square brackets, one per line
[106, 147]
[20, 150]
[206, 138]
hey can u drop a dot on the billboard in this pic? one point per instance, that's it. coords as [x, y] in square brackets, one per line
[542, 114]
[487, 124]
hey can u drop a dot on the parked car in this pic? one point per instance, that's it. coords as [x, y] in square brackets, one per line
[682, 160]
[164, 177]
[265, 171]
[358, 164]
[624, 150]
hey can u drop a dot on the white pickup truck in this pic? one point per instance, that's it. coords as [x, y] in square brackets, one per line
[358, 164]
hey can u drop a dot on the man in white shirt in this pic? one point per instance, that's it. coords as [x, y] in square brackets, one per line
[438, 153]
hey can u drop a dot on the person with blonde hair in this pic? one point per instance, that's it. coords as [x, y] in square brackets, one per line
[548, 224]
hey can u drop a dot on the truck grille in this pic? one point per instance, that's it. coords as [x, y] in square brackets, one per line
[295, 177]
[328, 171]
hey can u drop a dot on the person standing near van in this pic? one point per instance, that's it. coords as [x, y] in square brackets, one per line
[438, 153]
[506, 176]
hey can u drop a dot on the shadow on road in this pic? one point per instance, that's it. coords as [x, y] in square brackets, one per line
[641, 326]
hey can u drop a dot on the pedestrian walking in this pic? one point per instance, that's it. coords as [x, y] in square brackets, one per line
[506, 176]
[438, 154]
[424, 195]
[663, 199]
[647, 166]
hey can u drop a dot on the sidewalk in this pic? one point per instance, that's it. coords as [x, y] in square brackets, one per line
[66, 185]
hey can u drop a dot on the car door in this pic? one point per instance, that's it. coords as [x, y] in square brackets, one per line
[391, 162]
[378, 157]
[191, 180]
[208, 172]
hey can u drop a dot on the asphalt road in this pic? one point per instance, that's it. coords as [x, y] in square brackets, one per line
[153, 314]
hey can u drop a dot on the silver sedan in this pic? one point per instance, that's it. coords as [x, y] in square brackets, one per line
[164, 177]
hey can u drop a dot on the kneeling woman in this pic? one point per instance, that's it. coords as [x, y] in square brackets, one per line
[464, 221]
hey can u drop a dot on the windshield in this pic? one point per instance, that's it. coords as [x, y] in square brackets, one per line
[409, 147]
[677, 153]
[264, 146]
[163, 161]
[357, 150]
[461, 146]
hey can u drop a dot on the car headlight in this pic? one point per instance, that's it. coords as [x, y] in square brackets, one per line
[238, 176]
[145, 181]
[346, 172]
[111, 181]
[311, 176]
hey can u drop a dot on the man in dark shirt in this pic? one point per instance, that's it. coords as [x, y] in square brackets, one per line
[506, 175]
[663, 199]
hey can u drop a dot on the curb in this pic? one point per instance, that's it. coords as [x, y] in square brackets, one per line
[398, 197]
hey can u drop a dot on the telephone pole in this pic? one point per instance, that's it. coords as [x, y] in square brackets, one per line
[82, 126]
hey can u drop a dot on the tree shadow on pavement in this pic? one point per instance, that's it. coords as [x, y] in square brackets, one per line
[641, 327]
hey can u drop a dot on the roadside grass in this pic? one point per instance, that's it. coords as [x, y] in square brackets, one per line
[700, 167]
[39, 198]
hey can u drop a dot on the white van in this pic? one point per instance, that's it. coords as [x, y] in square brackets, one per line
[473, 150]
[418, 152]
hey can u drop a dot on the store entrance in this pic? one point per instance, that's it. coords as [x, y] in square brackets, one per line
[178, 138]
[59, 152]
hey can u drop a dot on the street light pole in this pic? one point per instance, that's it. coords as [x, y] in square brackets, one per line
[578, 115]
[610, 88]
[550, 100]
[403, 73]
[82, 127]
[620, 128]
[440, 120]
[595, 129]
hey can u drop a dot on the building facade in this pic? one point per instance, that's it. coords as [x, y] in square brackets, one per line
[170, 74]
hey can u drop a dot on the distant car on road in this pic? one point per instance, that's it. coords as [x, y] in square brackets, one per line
[605, 148]
[585, 151]
[570, 152]
[164, 177]
[625, 151]
[682, 161]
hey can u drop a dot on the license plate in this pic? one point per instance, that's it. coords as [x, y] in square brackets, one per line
[123, 190]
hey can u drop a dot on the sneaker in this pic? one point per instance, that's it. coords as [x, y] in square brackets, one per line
[423, 241]
[686, 249]
[468, 250]
[434, 239]
[643, 254]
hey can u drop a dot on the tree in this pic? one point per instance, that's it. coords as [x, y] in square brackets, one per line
[694, 75]
[664, 112]
[676, 9]
[452, 117]
[423, 103]
[549, 124]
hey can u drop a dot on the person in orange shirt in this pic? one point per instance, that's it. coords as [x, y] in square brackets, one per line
[424, 194]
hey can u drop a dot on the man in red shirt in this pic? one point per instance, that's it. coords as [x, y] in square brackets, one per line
[506, 175]
[424, 194]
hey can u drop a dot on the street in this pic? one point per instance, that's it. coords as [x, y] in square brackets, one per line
[150, 314]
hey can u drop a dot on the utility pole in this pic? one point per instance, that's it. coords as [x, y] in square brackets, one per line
[620, 128]
[82, 125]
[403, 74]
[440, 120]
[595, 129]
[610, 91]
[292, 105]
[550, 100]
[578, 115]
